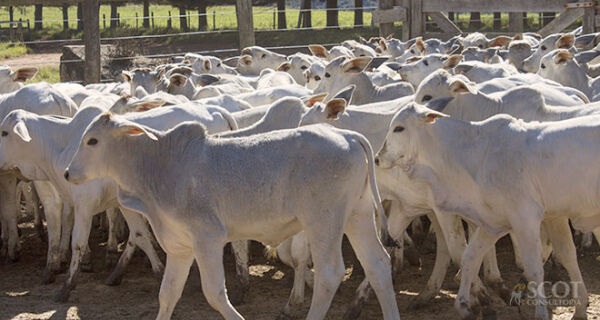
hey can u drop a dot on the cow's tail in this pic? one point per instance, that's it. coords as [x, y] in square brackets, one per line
[386, 240]
[68, 107]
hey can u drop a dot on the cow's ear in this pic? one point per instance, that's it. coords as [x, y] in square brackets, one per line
[159, 73]
[356, 65]
[563, 56]
[312, 100]
[462, 68]
[390, 36]
[518, 36]
[414, 59]
[207, 65]
[565, 41]
[207, 79]
[363, 40]
[318, 50]
[382, 44]
[420, 45]
[131, 129]
[127, 75]
[148, 105]
[178, 80]
[452, 61]
[285, 67]
[499, 41]
[24, 74]
[245, 60]
[334, 108]
[458, 86]
[20, 129]
[431, 116]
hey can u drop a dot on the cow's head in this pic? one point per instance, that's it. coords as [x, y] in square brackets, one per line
[548, 44]
[144, 80]
[441, 84]
[415, 71]
[13, 80]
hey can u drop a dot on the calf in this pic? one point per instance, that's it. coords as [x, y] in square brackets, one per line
[13, 80]
[467, 168]
[221, 211]
[548, 44]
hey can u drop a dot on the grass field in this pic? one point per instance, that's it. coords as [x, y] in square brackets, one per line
[11, 51]
[219, 17]
[48, 74]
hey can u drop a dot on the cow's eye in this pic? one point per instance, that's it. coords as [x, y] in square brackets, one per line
[543, 48]
[480, 46]
[398, 129]
[317, 78]
[426, 98]
[543, 66]
[4, 133]
[303, 67]
[412, 51]
[264, 55]
[92, 142]
[218, 65]
[327, 75]
[425, 62]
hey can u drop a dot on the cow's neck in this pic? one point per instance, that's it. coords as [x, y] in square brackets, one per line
[482, 103]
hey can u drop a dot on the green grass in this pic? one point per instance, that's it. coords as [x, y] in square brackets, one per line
[49, 74]
[219, 17]
[12, 51]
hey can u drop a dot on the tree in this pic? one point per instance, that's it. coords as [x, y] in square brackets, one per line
[497, 21]
[202, 18]
[183, 19]
[332, 13]
[114, 15]
[65, 14]
[38, 16]
[281, 20]
[79, 17]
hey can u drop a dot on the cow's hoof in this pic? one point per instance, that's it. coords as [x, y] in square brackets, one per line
[412, 256]
[48, 276]
[488, 313]
[62, 296]
[353, 312]
[113, 280]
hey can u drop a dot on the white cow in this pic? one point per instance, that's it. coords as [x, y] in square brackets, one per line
[255, 59]
[547, 45]
[491, 173]
[13, 80]
[199, 226]
[559, 65]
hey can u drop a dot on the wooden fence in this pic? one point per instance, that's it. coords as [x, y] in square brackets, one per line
[413, 14]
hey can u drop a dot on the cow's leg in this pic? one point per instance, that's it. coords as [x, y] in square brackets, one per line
[300, 258]
[565, 252]
[209, 257]
[587, 240]
[325, 239]
[139, 236]
[491, 272]
[11, 243]
[478, 246]
[79, 248]
[527, 234]
[517, 252]
[66, 228]
[112, 250]
[442, 262]
[398, 222]
[241, 252]
[374, 260]
[173, 281]
[53, 206]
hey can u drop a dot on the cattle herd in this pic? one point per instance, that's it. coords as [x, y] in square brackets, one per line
[484, 137]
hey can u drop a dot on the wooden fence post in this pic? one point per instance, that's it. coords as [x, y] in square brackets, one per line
[91, 38]
[245, 22]
[385, 29]
[65, 14]
[416, 18]
[515, 22]
[589, 19]
[406, 23]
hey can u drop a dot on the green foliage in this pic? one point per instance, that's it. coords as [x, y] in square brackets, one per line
[12, 51]
[48, 74]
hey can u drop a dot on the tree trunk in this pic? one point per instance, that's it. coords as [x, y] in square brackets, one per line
[332, 15]
[146, 21]
[451, 16]
[497, 21]
[475, 20]
[202, 17]
[281, 19]
[38, 16]
[525, 23]
[114, 18]
[358, 13]
[79, 17]
[182, 20]
[547, 17]
[65, 14]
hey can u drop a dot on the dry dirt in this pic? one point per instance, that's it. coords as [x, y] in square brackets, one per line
[23, 297]
[33, 60]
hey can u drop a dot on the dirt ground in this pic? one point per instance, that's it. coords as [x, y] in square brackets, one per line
[34, 60]
[23, 297]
